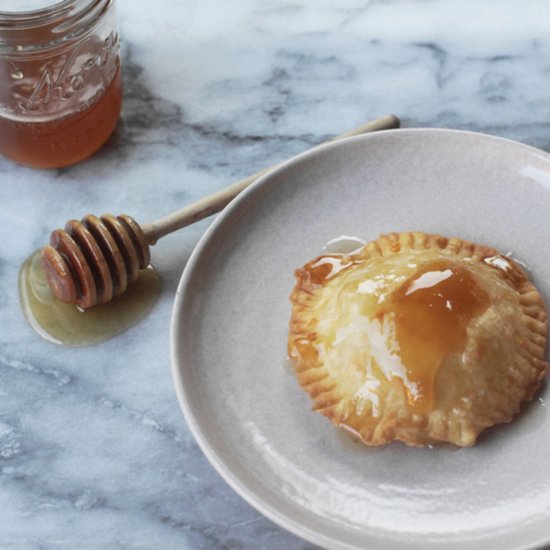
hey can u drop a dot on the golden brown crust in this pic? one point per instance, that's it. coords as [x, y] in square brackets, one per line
[519, 382]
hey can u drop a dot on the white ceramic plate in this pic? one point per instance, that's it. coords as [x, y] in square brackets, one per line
[244, 405]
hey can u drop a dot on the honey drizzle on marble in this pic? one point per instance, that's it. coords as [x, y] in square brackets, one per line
[68, 325]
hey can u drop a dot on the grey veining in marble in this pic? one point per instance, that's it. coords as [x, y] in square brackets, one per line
[94, 452]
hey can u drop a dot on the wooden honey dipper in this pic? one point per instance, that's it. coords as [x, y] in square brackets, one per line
[92, 261]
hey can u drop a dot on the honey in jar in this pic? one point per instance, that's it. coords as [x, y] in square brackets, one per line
[60, 82]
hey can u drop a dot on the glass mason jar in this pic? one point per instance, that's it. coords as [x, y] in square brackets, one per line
[60, 82]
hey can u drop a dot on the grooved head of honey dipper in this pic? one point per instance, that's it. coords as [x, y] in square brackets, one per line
[94, 260]
[59, 277]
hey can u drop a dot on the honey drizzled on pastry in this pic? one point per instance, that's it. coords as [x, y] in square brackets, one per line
[431, 312]
[417, 338]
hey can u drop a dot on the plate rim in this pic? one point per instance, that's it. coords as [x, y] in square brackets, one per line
[233, 480]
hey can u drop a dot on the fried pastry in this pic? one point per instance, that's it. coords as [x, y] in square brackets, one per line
[417, 338]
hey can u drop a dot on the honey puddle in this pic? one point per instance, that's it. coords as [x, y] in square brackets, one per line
[344, 245]
[68, 325]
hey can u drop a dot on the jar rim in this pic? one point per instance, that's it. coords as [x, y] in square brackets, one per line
[41, 29]
[36, 11]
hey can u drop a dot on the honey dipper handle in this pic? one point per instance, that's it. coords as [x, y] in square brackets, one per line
[216, 202]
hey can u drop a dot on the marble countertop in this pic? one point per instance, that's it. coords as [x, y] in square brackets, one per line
[94, 451]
